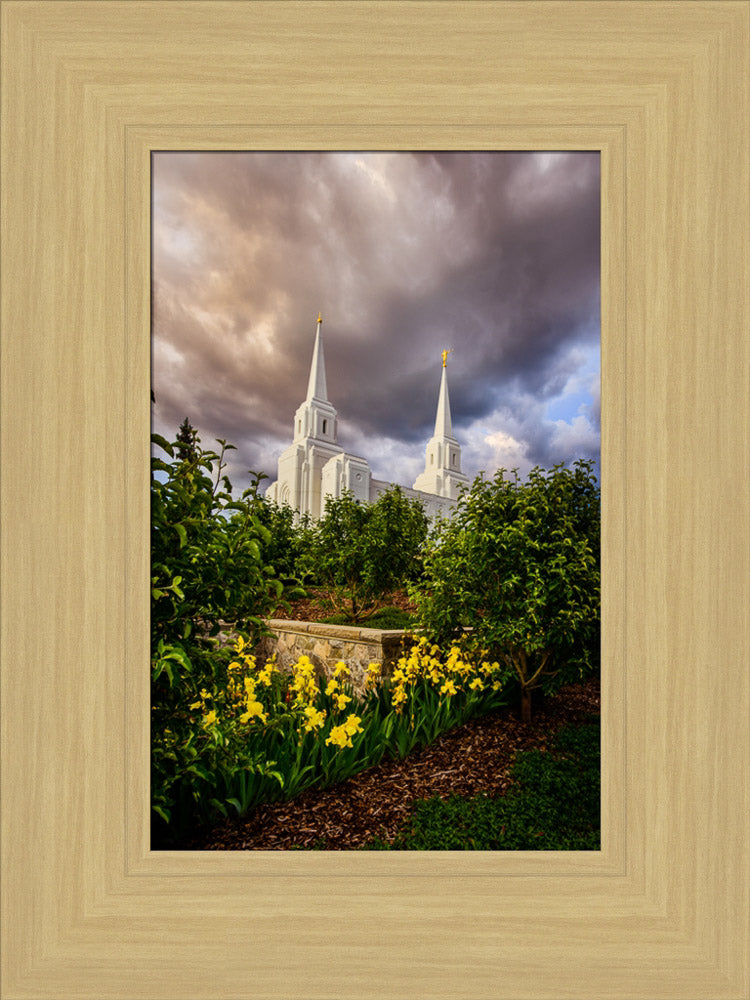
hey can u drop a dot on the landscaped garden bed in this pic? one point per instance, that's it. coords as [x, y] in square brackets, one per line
[397, 611]
[505, 599]
[372, 808]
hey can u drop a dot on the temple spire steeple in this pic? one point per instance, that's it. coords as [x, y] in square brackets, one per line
[316, 385]
[443, 425]
[316, 418]
[442, 471]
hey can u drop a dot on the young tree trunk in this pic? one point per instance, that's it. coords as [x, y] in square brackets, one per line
[525, 705]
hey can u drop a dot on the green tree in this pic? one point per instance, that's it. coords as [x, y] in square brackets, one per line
[286, 542]
[207, 564]
[186, 443]
[518, 563]
[361, 552]
[208, 567]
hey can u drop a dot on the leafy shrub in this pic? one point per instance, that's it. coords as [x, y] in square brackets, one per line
[287, 543]
[207, 567]
[554, 807]
[361, 552]
[207, 563]
[518, 563]
[384, 618]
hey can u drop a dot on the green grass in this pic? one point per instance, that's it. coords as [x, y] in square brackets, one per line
[554, 806]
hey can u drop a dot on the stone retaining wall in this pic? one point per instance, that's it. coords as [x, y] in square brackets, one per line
[327, 644]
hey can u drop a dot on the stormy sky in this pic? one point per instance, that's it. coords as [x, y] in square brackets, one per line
[495, 255]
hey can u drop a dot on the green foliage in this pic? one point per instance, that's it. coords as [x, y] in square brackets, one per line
[255, 734]
[288, 537]
[555, 805]
[384, 618]
[361, 552]
[208, 566]
[186, 442]
[207, 563]
[518, 563]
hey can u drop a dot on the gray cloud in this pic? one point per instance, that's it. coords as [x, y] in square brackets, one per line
[493, 254]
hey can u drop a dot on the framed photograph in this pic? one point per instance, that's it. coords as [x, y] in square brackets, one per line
[660, 92]
[369, 613]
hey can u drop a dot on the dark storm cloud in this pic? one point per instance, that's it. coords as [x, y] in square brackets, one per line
[495, 255]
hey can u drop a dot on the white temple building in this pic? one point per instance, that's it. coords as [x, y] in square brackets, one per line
[315, 465]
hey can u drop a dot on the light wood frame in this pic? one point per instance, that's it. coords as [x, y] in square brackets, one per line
[88, 90]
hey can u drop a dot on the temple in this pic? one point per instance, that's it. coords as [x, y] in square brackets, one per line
[315, 465]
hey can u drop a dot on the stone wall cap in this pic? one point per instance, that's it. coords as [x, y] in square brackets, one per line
[351, 632]
[384, 633]
[287, 625]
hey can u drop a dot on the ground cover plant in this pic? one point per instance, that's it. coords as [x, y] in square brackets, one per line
[554, 805]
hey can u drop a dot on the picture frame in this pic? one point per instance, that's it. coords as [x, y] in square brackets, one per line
[89, 90]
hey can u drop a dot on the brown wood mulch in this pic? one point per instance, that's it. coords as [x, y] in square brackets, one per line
[472, 759]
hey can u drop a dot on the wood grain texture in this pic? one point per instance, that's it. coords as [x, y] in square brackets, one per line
[88, 90]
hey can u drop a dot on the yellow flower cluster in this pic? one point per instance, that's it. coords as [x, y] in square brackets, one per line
[341, 736]
[373, 676]
[209, 715]
[303, 682]
[308, 708]
[241, 699]
[459, 672]
[314, 718]
[254, 708]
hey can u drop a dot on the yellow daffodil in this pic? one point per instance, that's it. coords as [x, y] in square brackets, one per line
[342, 700]
[210, 719]
[448, 688]
[340, 668]
[333, 686]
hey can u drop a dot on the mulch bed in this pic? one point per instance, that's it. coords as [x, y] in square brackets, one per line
[475, 758]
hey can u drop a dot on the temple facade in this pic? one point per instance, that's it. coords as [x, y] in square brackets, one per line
[315, 465]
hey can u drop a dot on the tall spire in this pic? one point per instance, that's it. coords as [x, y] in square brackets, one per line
[443, 425]
[316, 386]
[442, 471]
